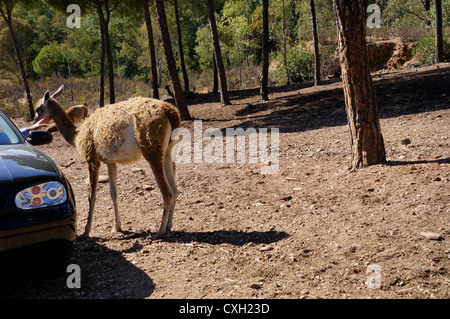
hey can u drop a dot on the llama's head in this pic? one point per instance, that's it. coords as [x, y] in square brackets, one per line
[43, 115]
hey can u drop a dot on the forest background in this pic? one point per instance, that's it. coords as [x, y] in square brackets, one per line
[53, 53]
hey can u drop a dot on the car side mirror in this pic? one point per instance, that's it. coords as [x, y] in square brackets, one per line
[40, 137]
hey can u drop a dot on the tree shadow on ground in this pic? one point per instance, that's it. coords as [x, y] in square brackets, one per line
[418, 162]
[401, 94]
[105, 274]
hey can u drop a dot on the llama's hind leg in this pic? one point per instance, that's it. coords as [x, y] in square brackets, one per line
[112, 175]
[157, 167]
[169, 169]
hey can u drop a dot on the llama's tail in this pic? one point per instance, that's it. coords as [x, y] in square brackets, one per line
[173, 115]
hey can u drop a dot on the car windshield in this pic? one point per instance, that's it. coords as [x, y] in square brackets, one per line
[7, 133]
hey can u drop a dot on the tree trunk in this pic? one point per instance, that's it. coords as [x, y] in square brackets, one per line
[316, 44]
[151, 44]
[360, 100]
[265, 51]
[8, 20]
[215, 76]
[218, 54]
[439, 44]
[427, 6]
[180, 46]
[102, 59]
[112, 95]
[284, 36]
[171, 65]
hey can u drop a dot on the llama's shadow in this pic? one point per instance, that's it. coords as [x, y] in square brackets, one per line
[232, 237]
[217, 237]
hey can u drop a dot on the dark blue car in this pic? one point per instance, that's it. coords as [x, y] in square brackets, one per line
[37, 205]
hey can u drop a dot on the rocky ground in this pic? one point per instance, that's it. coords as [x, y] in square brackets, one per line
[313, 229]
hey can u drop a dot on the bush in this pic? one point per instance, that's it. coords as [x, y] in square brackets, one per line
[425, 52]
[299, 65]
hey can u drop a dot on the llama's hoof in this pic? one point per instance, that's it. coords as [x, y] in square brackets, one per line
[83, 236]
[157, 236]
[117, 229]
[161, 235]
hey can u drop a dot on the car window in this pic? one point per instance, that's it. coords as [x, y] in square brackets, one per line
[7, 134]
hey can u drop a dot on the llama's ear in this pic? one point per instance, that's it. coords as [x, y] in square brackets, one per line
[46, 95]
[58, 92]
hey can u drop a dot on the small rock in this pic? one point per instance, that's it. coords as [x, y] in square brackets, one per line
[256, 285]
[266, 248]
[145, 250]
[431, 236]
[69, 163]
[147, 187]
[103, 179]
[136, 169]
[405, 141]
[394, 231]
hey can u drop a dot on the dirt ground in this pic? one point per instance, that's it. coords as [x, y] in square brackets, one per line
[312, 230]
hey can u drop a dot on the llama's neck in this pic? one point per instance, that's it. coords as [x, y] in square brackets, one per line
[65, 125]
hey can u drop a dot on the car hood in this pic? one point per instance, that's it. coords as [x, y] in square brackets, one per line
[23, 165]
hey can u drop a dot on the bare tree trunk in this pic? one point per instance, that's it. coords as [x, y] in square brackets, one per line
[180, 46]
[8, 19]
[69, 56]
[360, 99]
[151, 44]
[284, 35]
[218, 54]
[215, 76]
[171, 65]
[439, 50]
[316, 44]
[102, 59]
[265, 51]
[112, 95]
[427, 6]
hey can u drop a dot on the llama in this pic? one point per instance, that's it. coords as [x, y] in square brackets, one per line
[122, 133]
[76, 113]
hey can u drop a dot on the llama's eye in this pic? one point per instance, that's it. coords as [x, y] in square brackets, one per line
[38, 110]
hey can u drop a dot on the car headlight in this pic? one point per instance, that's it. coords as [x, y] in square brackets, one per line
[42, 195]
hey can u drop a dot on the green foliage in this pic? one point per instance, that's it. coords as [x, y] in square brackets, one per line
[299, 65]
[425, 49]
[204, 48]
[49, 60]
[47, 43]
[24, 35]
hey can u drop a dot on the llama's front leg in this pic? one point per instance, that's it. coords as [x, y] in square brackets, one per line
[112, 175]
[93, 170]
